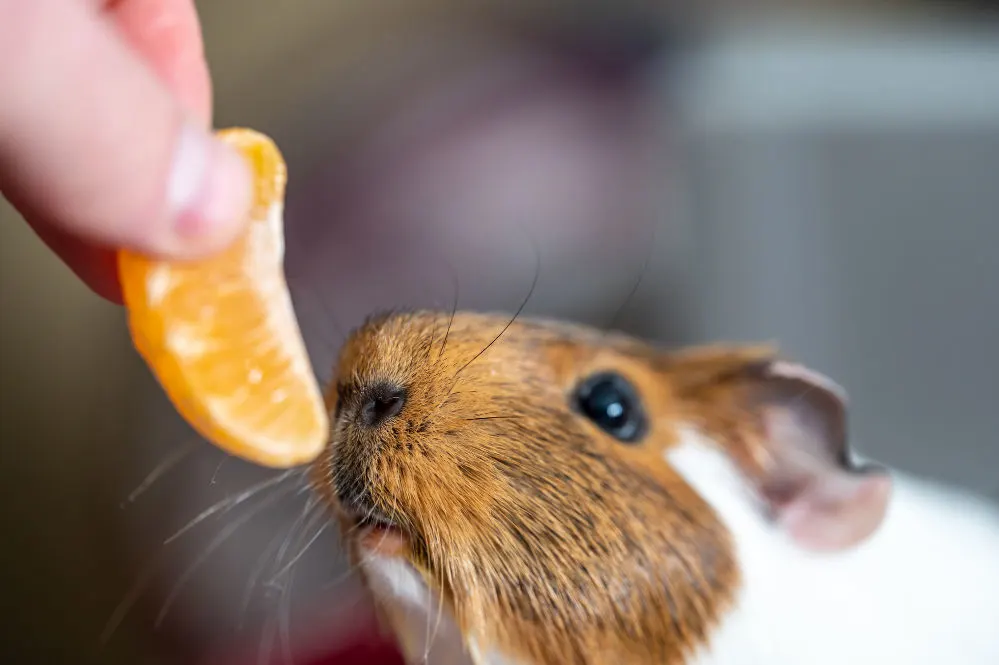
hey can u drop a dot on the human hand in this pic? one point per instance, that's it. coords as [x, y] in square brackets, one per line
[105, 143]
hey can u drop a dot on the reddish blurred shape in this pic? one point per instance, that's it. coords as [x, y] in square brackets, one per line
[368, 649]
[342, 631]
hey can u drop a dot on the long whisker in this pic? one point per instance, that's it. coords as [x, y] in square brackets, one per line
[255, 574]
[304, 522]
[217, 469]
[267, 637]
[169, 463]
[131, 597]
[327, 341]
[292, 532]
[437, 624]
[284, 619]
[359, 525]
[266, 556]
[393, 517]
[393, 514]
[230, 502]
[305, 548]
[454, 310]
[523, 304]
[339, 579]
[430, 342]
[217, 542]
[638, 281]
[274, 549]
[327, 310]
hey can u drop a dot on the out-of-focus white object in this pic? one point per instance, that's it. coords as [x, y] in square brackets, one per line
[802, 78]
[842, 198]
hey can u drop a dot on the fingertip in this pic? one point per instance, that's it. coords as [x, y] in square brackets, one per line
[208, 192]
[129, 166]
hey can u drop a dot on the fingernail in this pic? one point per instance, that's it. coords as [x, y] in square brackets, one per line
[209, 191]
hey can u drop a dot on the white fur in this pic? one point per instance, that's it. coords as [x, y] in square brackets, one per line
[923, 590]
[419, 621]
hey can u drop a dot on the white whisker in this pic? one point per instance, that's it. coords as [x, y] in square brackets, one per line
[293, 531]
[217, 469]
[171, 461]
[440, 612]
[284, 620]
[230, 502]
[255, 575]
[267, 637]
[126, 604]
[287, 567]
[217, 542]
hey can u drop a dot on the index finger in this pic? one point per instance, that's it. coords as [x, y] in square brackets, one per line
[167, 34]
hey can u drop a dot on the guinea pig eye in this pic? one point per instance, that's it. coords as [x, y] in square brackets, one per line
[613, 405]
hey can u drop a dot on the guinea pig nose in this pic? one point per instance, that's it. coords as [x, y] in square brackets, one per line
[381, 402]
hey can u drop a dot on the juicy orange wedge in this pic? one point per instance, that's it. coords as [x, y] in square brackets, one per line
[221, 336]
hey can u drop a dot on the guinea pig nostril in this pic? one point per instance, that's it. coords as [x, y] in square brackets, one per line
[381, 403]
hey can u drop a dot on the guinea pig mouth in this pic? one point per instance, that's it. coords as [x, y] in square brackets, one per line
[375, 533]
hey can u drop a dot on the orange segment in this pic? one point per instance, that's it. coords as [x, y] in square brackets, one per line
[221, 336]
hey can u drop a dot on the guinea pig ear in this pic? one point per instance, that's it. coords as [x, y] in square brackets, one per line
[808, 478]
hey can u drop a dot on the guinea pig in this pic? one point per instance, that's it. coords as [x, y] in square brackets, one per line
[537, 493]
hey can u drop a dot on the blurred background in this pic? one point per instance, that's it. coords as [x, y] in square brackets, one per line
[822, 174]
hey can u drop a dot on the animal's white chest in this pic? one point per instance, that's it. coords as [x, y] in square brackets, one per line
[924, 589]
[425, 631]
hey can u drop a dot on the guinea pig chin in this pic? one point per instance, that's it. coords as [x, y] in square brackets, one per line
[365, 527]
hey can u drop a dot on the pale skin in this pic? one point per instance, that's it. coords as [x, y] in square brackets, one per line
[95, 99]
[105, 143]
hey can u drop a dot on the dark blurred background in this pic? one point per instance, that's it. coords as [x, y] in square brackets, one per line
[822, 174]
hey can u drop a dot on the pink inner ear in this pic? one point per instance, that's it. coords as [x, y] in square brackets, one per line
[837, 511]
[822, 503]
[789, 370]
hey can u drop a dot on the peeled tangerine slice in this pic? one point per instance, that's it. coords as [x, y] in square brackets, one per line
[221, 335]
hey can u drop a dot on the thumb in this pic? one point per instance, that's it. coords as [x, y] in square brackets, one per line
[94, 144]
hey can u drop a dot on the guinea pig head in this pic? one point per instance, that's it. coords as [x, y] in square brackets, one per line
[508, 487]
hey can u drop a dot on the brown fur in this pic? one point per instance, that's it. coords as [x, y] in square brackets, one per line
[548, 539]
